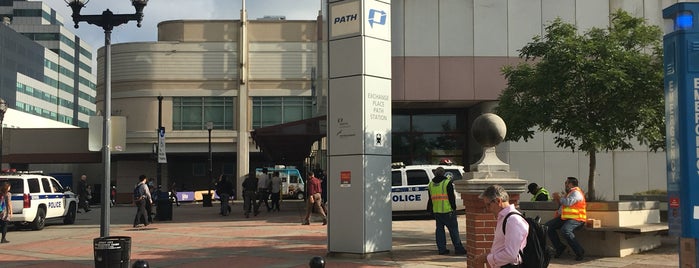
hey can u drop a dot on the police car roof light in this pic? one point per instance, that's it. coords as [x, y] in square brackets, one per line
[397, 165]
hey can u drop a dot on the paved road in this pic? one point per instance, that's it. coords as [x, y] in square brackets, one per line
[197, 237]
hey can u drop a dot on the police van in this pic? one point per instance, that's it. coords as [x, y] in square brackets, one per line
[409, 185]
[293, 185]
[37, 197]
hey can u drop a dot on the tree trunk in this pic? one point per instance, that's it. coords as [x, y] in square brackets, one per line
[591, 196]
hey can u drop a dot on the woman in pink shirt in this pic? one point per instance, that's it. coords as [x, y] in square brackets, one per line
[505, 251]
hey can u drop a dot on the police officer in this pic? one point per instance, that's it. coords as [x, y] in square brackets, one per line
[442, 204]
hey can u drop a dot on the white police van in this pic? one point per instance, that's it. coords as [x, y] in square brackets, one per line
[409, 185]
[37, 197]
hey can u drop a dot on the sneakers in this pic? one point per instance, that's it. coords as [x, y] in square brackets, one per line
[4, 241]
[460, 252]
[579, 257]
[325, 221]
[306, 223]
[445, 252]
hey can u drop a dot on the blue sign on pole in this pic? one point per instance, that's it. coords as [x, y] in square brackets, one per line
[681, 68]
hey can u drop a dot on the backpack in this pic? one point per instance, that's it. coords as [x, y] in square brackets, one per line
[535, 254]
[138, 193]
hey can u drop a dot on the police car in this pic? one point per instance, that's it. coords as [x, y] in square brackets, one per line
[37, 197]
[409, 185]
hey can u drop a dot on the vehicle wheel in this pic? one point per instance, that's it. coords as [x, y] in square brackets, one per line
[300, 195]
[69, 218]
[40, 220]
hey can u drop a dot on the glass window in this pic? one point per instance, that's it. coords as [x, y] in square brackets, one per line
[400, 123]
[192, 113]
[396, 178]
[434, 122]
[56, 186]
[417, 177]
[16, 185]
[269, 111]
[33, 185]
[46, 185]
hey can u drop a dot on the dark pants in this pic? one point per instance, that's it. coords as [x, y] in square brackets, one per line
[3, 227]
[141, 211]
[83, 203]
[149, 209]
[249, 202]
[567, 227]
[224, 204]
[263, 196]
[275, 201]
[449, 221]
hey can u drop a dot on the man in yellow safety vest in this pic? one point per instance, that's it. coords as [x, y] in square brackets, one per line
[442, 204]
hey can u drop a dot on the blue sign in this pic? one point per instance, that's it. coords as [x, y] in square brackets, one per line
[377, 16]
[681, 69]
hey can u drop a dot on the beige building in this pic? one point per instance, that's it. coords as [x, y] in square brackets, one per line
[251, 77]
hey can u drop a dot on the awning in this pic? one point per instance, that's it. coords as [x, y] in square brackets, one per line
[291, 141]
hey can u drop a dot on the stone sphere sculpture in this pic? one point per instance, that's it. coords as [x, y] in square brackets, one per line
[488, 129]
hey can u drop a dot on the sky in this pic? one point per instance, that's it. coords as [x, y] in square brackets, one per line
[162, 10]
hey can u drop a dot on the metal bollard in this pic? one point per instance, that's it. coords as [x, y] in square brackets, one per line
[317, 262]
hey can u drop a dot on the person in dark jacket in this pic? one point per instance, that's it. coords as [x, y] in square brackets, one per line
[442, 204]
[249, 193]
[83, 193]
[224, 188]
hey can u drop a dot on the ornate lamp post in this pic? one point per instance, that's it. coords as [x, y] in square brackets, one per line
[3, 109]
[107, 20]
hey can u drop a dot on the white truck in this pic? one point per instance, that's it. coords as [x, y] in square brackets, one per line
[293, 185]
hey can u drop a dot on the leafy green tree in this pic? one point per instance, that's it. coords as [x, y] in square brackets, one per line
[595, 91]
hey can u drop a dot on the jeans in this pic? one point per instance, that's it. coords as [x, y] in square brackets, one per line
[249, 201]
[447, 220]
[567, 227]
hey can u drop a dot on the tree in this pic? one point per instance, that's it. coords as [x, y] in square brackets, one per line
[595, 91]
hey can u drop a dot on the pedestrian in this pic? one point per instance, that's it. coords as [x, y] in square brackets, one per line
[442, 204]
[112, 196]
[263, 188]
[539, 193]
[314, 199]
[276, 190]
[249, 193]
[224, 189]
[83, 194]
[571, 215]
[141, 199]
[508, 242]
[173, 193]
[5, 209]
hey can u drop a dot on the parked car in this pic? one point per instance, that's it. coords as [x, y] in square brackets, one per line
[409, 185]
[37, 197]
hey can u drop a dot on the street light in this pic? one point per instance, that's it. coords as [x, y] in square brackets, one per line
[107, 20]
[3, 109]
[209, 127]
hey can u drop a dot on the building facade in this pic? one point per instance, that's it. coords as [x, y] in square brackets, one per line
[248, 76]
[47, 70]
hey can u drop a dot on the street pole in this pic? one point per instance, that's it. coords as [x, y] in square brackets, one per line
[159, 171]
[107, 20]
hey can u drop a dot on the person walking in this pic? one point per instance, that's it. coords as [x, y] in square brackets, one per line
[442, 204]
[571, 214]
[539, 193]
[276, 190]
[224, 188]
[249, 193]
[141, 199]
[173, 193]
[112, 196]
[263, 185]
[508, 242]
[314, 199]
[5, 209]
[83, 200]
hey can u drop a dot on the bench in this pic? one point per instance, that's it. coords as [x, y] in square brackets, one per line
[620, 234]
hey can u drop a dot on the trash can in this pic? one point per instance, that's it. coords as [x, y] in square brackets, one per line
[112, 251]
[207, 200]
[163, 210]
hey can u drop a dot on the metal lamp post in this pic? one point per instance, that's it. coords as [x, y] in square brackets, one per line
[3, 109]
[107, 20]
[210, 171]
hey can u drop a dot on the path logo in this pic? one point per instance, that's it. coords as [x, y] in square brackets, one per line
[377, 16]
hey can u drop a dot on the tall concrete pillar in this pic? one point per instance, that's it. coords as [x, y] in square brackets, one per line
[359, 126]
[488, 130]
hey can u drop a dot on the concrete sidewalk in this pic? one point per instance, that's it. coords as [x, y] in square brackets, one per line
[199, 237]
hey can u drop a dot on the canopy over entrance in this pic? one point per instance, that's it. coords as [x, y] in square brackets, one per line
[290, 141]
